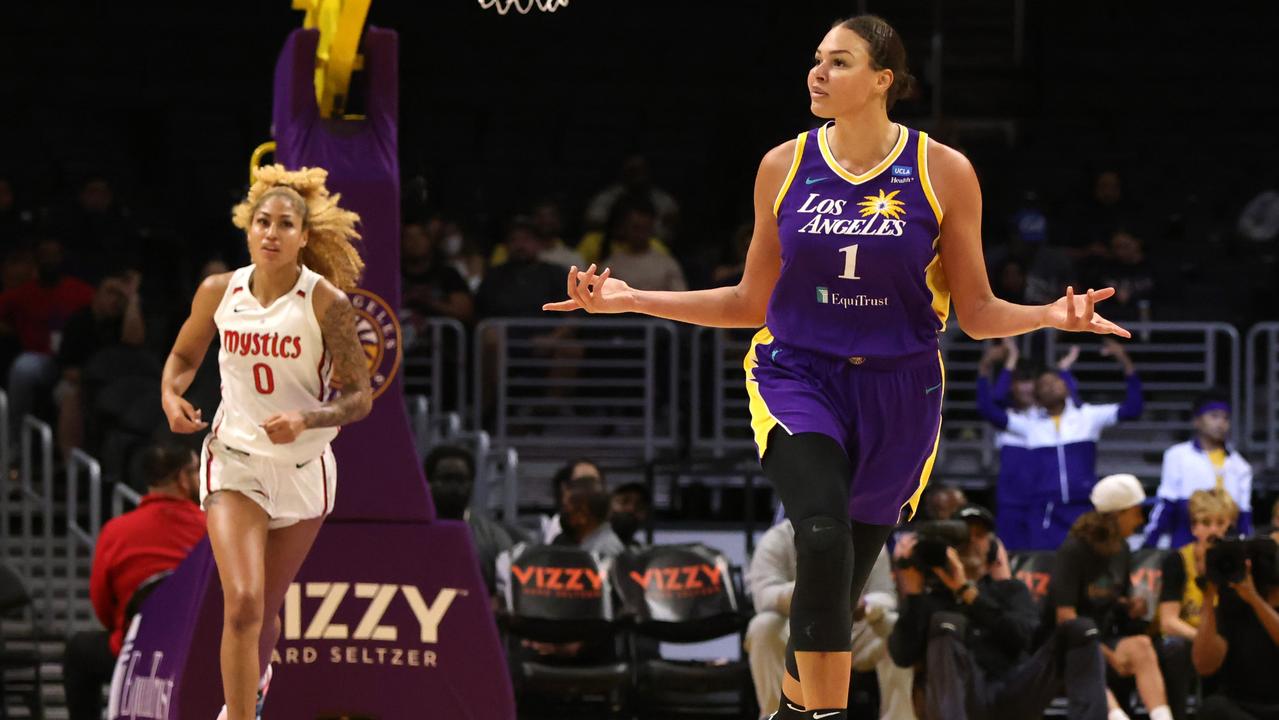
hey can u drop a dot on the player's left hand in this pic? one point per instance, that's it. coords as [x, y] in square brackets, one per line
[1074, 313]
[284, 428]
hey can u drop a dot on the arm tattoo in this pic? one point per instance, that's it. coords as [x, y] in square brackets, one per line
[350, 370]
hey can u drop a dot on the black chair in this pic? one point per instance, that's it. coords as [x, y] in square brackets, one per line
[563, 595]
[19, 669]
[684, 594]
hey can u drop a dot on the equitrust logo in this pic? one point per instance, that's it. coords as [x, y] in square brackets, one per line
[826, 297]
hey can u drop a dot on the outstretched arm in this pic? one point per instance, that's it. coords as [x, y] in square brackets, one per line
[354, 398]
[740, 305]
[979, 312]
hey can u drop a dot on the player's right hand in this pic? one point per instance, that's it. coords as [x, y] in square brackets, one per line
[183, 416]
[594, 293]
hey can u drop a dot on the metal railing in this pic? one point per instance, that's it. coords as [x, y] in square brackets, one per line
[6, 462]
[428, 429]
[41, 499]
[427, 360]
[1177, 361]
[605, 386]
[727, 428]
[77, 534]
[120, 496]
[1261, 403]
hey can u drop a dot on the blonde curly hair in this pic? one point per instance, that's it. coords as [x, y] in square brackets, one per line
[331, 229]
[1213, 503]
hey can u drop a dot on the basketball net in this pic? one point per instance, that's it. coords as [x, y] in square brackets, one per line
[523, 6]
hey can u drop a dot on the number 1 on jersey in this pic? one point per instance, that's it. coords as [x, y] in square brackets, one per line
[850, 263]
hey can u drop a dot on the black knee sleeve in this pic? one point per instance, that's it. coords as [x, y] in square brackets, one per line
[821, 618]
[1078, 632]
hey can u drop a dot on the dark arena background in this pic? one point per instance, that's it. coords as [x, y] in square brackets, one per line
[553, 515]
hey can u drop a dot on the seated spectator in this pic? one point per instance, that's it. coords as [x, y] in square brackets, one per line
[1105, 211]
[584, 516]
[155, 537]
[450, 474]
[941, 502]
[114, 318]
[523, 284]
[635, 180]
[1205, 462]
[629, 252]
[1126, 269]
[1029, 268]
[629, 509]
[431, 287]
[1238, 643]
[733, 265]
[98, 231]
[36, 312]
[969, 625]
[771, 578]
[547, 220]
[1212, 513]
[1092, 579]
[573, 469]
[1060, 438]
[1259, 220]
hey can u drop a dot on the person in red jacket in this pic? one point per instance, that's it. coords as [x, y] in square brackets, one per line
[151, 539]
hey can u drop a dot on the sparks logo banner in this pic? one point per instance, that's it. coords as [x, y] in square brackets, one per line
[379, 332]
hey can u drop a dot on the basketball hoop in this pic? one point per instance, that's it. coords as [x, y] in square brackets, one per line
[524, 7]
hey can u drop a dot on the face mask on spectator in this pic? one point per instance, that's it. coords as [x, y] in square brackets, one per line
[451, 493]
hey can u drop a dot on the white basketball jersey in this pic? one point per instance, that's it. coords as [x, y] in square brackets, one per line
[273, 360]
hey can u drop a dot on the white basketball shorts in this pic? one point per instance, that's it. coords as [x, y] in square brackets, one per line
[287, 491]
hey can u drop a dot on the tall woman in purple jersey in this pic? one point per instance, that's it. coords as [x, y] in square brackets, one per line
[865, 230]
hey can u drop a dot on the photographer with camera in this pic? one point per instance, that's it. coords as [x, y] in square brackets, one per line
[1238, 637]
[1092, 579]
[1212, 512]
[970, 624]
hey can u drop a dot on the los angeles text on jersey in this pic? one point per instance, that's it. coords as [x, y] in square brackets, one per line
[375, 640]
[264, 344]
[823, 224]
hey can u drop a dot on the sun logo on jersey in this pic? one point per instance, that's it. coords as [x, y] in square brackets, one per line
[378, 330]
[887, 205]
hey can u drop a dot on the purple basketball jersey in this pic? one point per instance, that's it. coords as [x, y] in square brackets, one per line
[861, 274]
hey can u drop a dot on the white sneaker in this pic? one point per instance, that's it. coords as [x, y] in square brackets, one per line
[263, 688]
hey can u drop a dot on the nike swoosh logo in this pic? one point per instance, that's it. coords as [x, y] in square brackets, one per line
[928, 390]
[814, 181]
[239, 309]
[819, 716]
[796, 709]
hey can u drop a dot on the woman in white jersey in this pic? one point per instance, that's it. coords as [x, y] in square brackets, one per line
[267, 475]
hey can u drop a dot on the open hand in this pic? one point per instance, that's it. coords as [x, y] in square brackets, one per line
[1074, 313]
[183, 416]
[594, 293]
[284, 428]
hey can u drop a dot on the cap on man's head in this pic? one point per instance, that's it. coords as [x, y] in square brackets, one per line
[978, 514]
[1118, 492]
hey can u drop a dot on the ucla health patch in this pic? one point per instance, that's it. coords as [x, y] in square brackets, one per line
[903, 171]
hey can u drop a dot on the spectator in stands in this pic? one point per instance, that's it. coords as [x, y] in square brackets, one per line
[1018, 497]
[450, 474]
[573, 469]
[1092, 579]
[1126, 269]
[36, 312]
[1274, 521]
[1204, 462]
[113, 319]
[629, 509]
[98, 231]
[635, 180]
[523, 284]
[1106, 211]
[1238, 643]
[131, 548]
[1259, 220]
[628, 249]
[431, 287]
[771, 578]
[733, 266]
[584, 516]
[1212, 513]
[546, 219]
[1060, 438]
[941, 502]
[970, 625]
[1044, 268]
